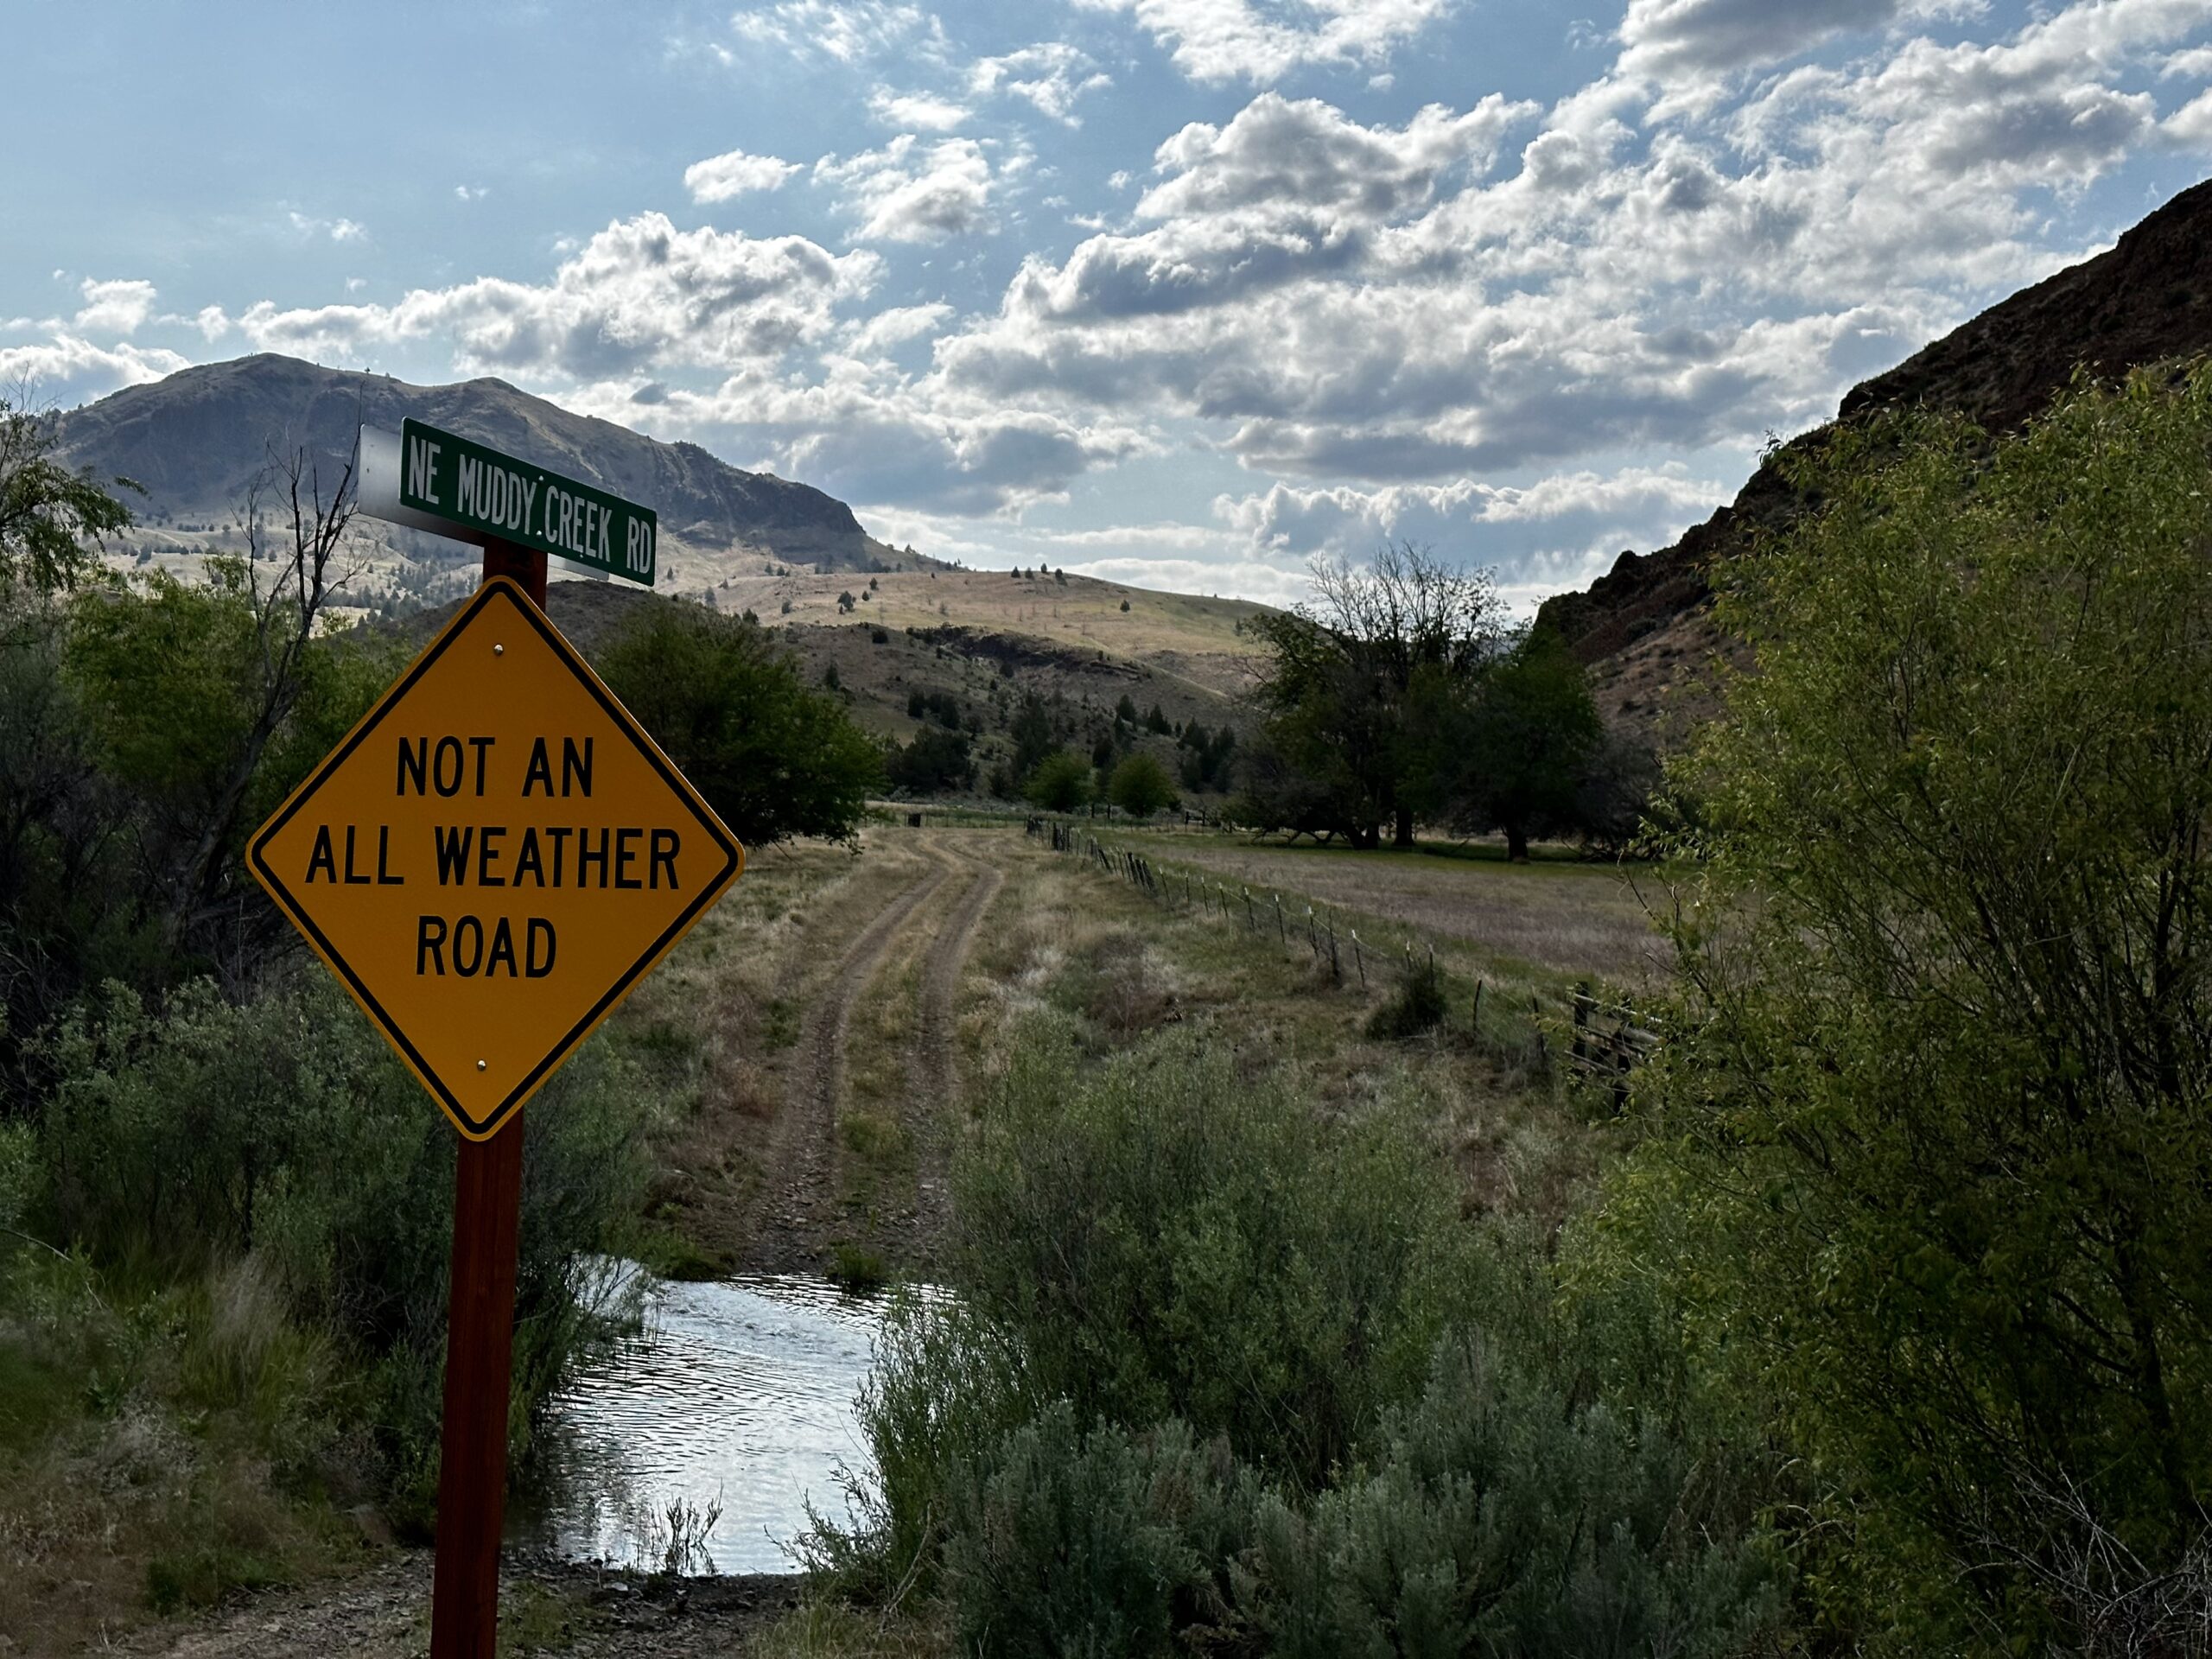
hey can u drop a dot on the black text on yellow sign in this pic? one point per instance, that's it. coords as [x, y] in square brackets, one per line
[493, 857]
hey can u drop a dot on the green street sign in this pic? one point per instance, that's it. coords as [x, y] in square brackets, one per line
[434, 480]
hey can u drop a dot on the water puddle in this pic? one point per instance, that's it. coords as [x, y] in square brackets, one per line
[710, 1433]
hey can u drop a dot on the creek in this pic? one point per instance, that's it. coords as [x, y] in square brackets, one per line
[733, 1408]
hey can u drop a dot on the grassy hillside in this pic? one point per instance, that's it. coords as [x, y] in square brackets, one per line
[998, 640]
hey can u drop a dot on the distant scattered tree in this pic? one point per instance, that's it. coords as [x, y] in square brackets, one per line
[1614, 797]
[1125, 711]
[1525, 745]
[1061, 782]
[1156, 720]
[1032, 734]
[830, 678]
[933, 761]
[1125, 604]
[786, 607]
[1140, 785]
[774, 760]
[1359, 679]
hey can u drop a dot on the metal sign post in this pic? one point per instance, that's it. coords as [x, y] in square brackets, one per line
[490, 861]
[480, 1339]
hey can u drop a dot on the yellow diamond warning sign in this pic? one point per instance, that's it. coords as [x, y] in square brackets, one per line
[493, 857]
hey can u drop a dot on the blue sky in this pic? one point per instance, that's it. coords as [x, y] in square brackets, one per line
[1180, 292]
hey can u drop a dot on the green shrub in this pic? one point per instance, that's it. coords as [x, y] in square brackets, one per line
[1061, 782]
[946, 1385]
[1100, 1544]
[284, 1134]
[854, 1266]
[1162, 1238]
[1505, 1513]
[1140, 785]
[1416, 1006]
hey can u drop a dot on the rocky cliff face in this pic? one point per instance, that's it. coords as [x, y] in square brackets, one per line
[2147, 299]
[196, 438]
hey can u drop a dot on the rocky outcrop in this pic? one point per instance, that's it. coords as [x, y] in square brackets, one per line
[2147, 299]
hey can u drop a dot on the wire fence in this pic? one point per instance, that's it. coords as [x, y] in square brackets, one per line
[1599, 1041]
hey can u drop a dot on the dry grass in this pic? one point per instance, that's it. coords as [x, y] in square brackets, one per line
[138, 1443]
[831, 1629]
[1206, 640]
[1077, 938]
[1564, 920]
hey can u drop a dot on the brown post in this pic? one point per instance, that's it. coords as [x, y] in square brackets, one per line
[479, 1341]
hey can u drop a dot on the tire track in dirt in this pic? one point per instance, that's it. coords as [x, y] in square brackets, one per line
[793, 1228]
[933, 1086]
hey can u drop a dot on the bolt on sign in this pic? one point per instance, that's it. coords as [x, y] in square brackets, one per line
[435, 480]
[493, 857]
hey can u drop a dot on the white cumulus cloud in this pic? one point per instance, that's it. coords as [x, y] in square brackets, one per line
[915, 111]
[734, 173]
[640, 293]
[116, 307]
[1050, 75]
[911, 191]
[1259, 42]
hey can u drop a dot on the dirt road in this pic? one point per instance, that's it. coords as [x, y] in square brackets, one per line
[934, 1086]
[806, 1207]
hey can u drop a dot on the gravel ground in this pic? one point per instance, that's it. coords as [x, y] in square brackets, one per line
[546, 1607]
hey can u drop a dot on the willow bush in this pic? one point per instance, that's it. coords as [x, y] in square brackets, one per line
[1932, 1160]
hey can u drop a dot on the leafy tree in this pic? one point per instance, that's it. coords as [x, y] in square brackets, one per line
[196, 689]
[934, 760]
[1932, 1160]
[1140, 785]
[1524, 747]
[1619, 782]
[1032, 736]
[1061, 783]
[773, 758]
[1346, 723]
[48, 514]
